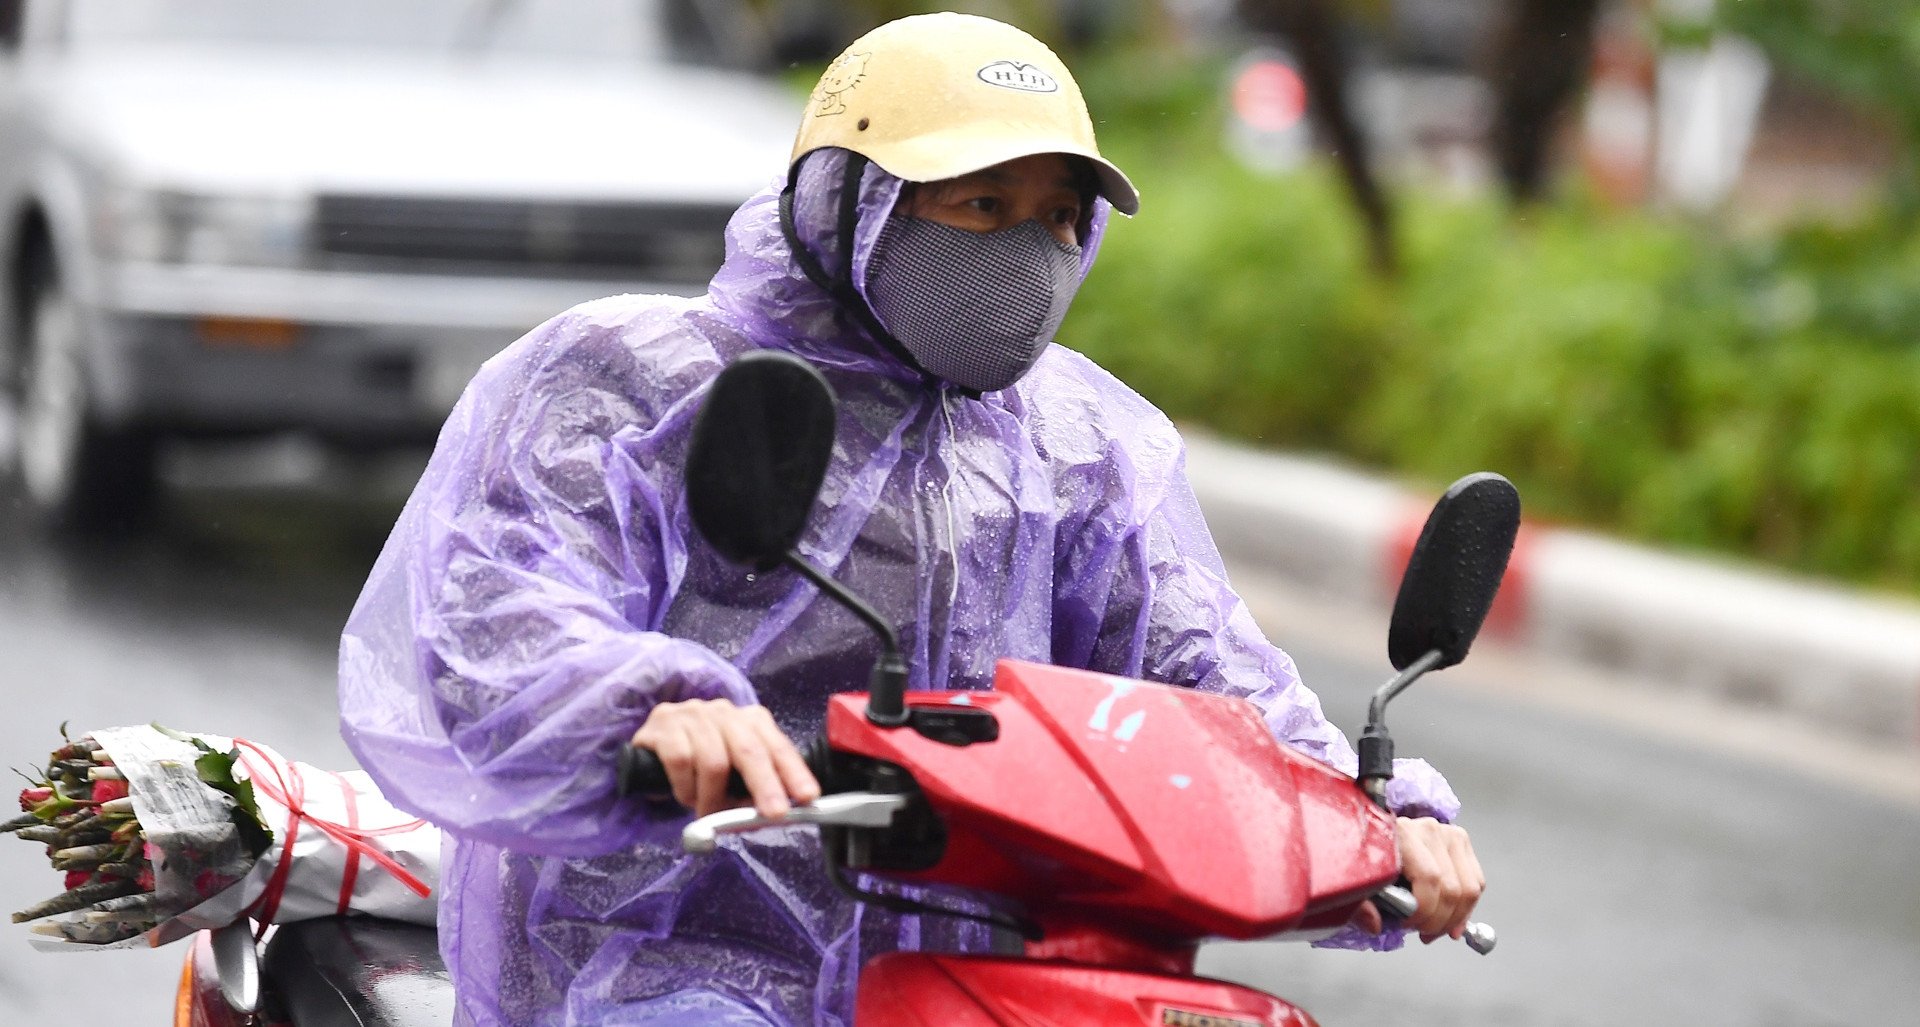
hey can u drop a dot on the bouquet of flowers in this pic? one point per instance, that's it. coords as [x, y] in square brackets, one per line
[162, 833]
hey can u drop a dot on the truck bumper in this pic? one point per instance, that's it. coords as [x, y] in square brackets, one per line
[363, 357]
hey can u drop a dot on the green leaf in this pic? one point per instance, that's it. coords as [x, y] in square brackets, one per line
[216, 769]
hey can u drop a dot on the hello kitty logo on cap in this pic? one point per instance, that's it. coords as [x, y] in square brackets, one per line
[1026, 78]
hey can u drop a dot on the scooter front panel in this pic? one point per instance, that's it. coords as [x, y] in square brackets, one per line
[1167, 809]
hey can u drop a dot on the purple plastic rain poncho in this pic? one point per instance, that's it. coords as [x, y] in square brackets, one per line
[544, 589]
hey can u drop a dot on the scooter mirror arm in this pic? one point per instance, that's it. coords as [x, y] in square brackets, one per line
[887, 690]
[1377, 709]
[1376, 743]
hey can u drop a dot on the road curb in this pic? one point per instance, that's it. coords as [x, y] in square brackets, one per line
[1838, 659]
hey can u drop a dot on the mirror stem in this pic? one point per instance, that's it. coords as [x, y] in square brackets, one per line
[1376, 744]
[886, 692]
[1377, 709]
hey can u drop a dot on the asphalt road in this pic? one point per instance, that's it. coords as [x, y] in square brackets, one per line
[1634, 878]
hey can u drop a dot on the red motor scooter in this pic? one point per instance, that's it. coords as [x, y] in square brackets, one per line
[1111, 824]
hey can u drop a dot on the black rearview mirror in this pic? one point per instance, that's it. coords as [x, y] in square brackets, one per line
[1455, 571]
[759, 454]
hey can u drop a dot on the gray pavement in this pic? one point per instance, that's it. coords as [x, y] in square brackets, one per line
[1633, 879]
[1636, 875]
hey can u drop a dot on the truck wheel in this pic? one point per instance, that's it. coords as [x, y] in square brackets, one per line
[77, 474]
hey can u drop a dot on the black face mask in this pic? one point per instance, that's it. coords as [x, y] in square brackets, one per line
[974, 308]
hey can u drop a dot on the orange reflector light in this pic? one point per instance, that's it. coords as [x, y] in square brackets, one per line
[247, 333]
[183, 1004]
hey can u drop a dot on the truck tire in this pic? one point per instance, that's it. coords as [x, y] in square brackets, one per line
[76, 474]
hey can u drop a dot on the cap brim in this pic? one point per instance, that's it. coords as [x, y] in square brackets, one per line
[935, 156]
[1116, 186]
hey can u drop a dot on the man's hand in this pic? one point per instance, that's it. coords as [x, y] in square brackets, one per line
[1438, 862]
[700, 740]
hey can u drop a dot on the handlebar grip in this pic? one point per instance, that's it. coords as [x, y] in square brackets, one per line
[640, 774]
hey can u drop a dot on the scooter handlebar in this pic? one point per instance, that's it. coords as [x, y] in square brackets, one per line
[1396, 902]
[640, 774]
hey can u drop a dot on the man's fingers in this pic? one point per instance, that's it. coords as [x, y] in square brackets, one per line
[1431, 858]
[1458, 880]
[1446, 887]
[792, 781]
[669, 741]
[755, 764]
[795, 775]
[711, 762]
[1440, 866]
[700, 742]
[1473, 881]
[1422, 871]
[1447, 910]
[1368, 919]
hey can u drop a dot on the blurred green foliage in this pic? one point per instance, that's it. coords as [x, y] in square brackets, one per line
[1040, 17]
[1868, 50]
[1645, 377]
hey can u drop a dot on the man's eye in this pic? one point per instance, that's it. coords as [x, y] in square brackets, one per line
[985, 204]
[1066, 216]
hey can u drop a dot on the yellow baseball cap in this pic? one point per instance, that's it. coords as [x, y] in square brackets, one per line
[938, 96]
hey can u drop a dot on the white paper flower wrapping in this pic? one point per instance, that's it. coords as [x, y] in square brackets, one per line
[338, 847]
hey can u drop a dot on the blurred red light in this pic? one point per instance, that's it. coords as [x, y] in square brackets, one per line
[1270, 96]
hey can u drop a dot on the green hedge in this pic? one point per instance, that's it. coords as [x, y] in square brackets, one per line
[1867, 50]
[1640, 376]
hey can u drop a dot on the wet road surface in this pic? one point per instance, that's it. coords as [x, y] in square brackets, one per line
[1633, 879]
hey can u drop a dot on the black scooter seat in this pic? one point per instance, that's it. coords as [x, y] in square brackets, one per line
[357, 972]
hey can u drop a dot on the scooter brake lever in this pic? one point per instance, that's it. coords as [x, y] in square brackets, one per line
[841, 809]
[1398, 902]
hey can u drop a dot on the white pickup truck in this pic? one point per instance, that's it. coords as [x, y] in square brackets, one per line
[227, 216]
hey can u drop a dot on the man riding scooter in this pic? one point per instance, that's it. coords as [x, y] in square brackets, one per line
[543, 601]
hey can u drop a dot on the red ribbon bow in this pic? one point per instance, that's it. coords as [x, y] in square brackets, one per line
[289, 790]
